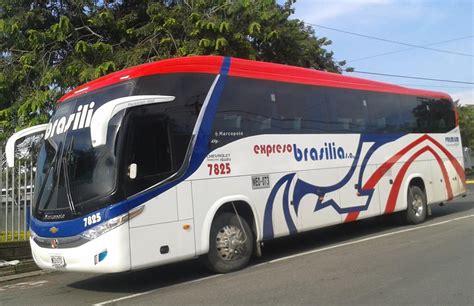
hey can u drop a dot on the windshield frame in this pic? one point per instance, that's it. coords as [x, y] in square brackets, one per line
[45, 207]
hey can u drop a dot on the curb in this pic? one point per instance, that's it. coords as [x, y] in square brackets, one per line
[24, 268]
[22, 275]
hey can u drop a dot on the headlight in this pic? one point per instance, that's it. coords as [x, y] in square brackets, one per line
[32, 234]
[108, 225]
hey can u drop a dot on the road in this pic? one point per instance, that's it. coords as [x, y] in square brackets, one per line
[370, 262]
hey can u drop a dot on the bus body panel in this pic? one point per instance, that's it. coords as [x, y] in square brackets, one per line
[85, 258]
[251, 164]
[162, 225]
[160, 209]
[161, 243]
[185, 201]
[307, 218]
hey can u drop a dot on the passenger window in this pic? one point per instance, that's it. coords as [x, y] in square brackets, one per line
[408, 108]
[350, 109]
[252, 107]
[384, 112]
[148, 145]
[247, 107]
[441, 116]
[303, 109]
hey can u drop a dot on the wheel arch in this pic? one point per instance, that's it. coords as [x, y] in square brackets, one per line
[242, 204]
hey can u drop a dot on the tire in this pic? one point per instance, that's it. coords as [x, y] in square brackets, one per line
[416, 205]
[229, 250]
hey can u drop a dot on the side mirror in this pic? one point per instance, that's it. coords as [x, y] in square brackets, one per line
[100, 119]
[10, 148]
[132, 171]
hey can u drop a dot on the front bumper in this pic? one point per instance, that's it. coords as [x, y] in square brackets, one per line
[85, 258]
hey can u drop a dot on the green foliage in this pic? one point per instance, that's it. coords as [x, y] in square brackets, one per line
[49, 47]
[466, 125]
[14, 236]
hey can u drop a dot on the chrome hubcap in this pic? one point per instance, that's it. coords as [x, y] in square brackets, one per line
[417, 205]
[230, 242]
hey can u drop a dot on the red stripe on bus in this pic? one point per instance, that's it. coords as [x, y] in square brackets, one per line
[447, 183]
[194, 64]
[375, 178]
[457, 166]
[377, 175]
[352, 216]
[392, 198]
[247, 69]
[291, 74]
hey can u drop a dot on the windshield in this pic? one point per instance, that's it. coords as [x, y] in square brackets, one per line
[75, 178]
[70, 171]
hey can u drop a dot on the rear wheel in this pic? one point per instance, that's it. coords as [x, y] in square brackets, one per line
[416, 205]
[231, 244]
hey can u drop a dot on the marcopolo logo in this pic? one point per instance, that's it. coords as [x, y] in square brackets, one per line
[78, 120]
[327, 152]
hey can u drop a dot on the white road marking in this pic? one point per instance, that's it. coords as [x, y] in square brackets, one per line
[154, 290]
[370, 238]
[24, 285]
[297, 255]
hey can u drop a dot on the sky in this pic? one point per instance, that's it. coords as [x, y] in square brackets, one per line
[415, 22]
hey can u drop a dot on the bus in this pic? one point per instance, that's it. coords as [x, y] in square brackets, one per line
[209, 156]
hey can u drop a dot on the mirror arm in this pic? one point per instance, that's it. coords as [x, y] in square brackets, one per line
[100, 119]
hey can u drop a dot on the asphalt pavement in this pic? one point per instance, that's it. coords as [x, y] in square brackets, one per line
[370, 262]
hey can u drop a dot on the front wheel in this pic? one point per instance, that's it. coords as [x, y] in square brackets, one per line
[416, 205]
[231, 244]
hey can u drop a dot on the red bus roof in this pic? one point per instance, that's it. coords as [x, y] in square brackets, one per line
[247, 69]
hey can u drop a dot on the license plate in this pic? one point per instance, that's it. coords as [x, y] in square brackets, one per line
[58, 261]
[260, 181]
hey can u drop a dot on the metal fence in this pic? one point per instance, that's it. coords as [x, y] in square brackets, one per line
[16, 185]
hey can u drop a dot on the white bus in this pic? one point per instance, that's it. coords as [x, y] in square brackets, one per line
[210, 156]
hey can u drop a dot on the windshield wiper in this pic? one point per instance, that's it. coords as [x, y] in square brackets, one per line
[45, 181]
[65, 160]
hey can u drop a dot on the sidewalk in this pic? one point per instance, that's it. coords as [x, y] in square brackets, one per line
[470, 177]
[23, 269]
[17, 251]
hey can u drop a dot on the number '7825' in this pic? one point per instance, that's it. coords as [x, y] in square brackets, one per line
[95, 218]
[219, 168]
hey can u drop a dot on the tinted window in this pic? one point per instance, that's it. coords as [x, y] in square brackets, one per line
[148, 135]
[304, 109]
[433, 115]
[384, 112]
[251, 107]
[409, 108]
[350, 110]
[159, 135]
[246, 108]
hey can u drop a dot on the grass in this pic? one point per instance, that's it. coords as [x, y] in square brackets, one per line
[14, 236]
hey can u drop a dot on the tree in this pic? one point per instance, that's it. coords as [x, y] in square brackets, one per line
[466, 124]
[49, 47]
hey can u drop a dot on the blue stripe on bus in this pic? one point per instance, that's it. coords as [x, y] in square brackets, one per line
[74, 227]
[268, 217]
